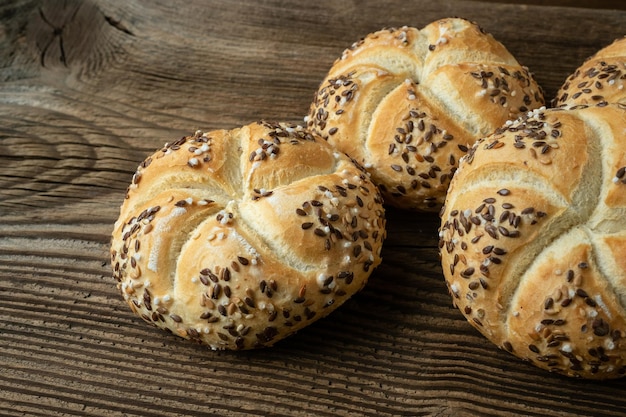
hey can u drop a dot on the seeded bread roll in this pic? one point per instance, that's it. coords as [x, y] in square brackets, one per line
[600, 79]
[533, 238]
[238, 238]
[408, 103]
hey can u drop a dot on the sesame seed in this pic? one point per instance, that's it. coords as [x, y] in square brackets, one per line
[222, 310]
[468, 272]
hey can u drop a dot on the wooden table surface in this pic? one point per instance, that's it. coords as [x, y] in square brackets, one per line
[89, 88]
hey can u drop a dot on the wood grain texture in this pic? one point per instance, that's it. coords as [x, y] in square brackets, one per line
[89, 88]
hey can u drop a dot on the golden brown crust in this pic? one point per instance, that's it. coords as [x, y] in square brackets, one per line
[238, 238]
[600, 79]
[408, 103]
[532, 239]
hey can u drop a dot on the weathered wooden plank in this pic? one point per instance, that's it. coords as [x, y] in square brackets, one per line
[89, 88]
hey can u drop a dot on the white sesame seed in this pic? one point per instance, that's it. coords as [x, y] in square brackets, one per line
[320, 280]
[454, 288]
[600, 302]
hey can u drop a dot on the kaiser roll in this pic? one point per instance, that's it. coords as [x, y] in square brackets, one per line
[600, 79]
[238, 238]
[408, 103]
[533, 239]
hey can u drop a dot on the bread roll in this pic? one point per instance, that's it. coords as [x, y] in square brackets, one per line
[600, 79]
[236, 239]
[408, 103]
[533, 239]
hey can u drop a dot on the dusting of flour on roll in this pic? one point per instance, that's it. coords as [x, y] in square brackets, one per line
[533, 239]
[407, 104]
[237, 239]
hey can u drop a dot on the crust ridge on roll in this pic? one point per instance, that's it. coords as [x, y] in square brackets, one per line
[599, 80]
